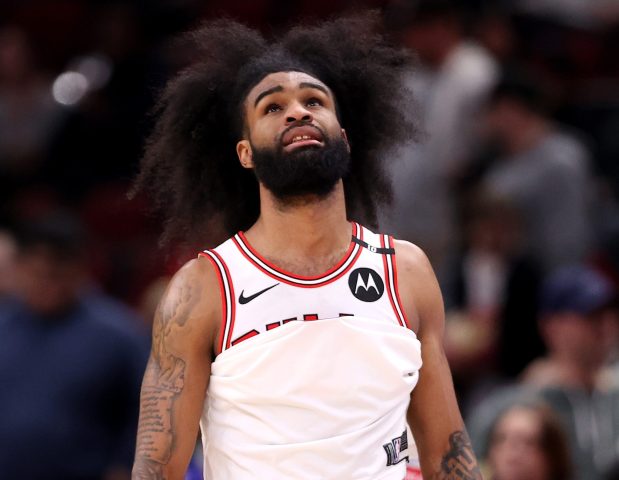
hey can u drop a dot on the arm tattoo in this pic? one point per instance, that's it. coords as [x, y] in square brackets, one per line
[164, 381]
[459, 463]
[145, 469]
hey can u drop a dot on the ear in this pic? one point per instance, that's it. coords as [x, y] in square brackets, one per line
[345, 137]
[244, 152]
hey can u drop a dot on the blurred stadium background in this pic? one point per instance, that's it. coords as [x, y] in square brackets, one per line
[513, 192]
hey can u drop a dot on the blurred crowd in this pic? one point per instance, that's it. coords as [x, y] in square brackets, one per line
[512, 190]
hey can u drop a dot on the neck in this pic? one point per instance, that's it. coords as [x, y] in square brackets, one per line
[306, 229]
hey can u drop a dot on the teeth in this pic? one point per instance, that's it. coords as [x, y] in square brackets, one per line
[299, 138]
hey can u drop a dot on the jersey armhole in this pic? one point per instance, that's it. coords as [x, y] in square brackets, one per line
[226, 290]
[391, 277]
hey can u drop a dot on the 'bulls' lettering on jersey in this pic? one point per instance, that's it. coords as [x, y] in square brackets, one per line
[308, 317]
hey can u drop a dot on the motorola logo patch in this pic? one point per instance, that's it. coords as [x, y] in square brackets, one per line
[366, 285]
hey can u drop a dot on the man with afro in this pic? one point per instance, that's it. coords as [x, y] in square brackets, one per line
[297, 345]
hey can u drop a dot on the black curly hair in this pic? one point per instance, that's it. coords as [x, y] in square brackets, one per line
[190, 167]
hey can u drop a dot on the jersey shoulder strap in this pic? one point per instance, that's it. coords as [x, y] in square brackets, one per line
[226, 290]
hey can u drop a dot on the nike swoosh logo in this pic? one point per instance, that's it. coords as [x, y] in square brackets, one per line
[243, 300]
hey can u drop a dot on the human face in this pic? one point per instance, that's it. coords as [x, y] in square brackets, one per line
[47, 283]
[515, 450]
[574, 336]
[290, 111]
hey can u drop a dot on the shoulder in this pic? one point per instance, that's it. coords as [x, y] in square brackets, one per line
[414, 268]
[412, 260]
[197, 271]
[190, 306]
[194, 286]
[418, 287]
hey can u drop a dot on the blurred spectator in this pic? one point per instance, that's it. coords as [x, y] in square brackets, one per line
[28, 114]
[71, 363]
[7, 262]
[544, 171]
[493, 30]
[108, 122]
[577, 307]
[491, 330]
[527, 442]
[583, 13]
[449, 86]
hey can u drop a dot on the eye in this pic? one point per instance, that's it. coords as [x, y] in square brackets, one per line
[272, 108]
[314, 102]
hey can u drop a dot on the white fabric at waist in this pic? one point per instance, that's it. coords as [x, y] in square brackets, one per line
[244, 438]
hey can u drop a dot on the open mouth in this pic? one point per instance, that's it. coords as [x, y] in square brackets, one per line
[302, 136]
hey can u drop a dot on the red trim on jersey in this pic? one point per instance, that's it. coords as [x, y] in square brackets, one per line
[395, 282]
[222, 294]
[278, 273]
[242, 338]
[300, 277]
[388, 283]
[271, 326]
[232, 297]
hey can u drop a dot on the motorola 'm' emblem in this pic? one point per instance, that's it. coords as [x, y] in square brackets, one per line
[366, 285]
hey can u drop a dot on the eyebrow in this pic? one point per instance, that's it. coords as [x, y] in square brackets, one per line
[279, 88]
[269, 91]
[317, 86]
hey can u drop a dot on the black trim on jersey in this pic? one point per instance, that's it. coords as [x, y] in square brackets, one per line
[373, 249]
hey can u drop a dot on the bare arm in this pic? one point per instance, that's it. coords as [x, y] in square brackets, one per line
[177, 374]
[445, 450]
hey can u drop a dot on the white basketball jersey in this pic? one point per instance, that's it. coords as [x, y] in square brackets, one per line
[314, 376]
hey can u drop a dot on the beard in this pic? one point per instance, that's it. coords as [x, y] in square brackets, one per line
[306, 171]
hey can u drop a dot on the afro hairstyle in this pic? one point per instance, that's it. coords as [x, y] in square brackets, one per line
[190, 168]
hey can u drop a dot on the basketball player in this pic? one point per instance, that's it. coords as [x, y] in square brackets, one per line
[294, 345]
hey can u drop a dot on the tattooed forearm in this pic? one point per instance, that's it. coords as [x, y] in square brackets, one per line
[144, 469]
[159, 392]
[459, 463]
[163, 383]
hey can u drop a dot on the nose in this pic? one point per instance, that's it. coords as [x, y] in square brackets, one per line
[297, 112]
